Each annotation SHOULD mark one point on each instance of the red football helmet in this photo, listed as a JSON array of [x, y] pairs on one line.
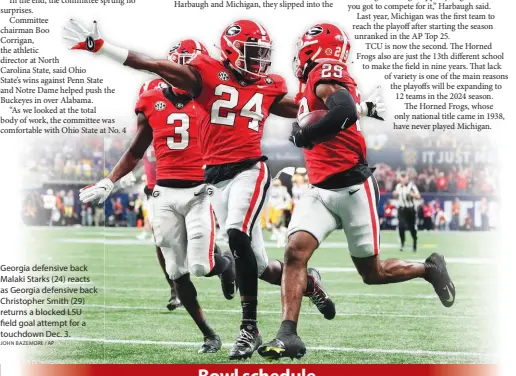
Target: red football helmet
[[185, 50], [246, 47], [321, 41]]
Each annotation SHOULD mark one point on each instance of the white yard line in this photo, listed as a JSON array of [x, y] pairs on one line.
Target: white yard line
[[316, 348], [328, 245], [278, 313]]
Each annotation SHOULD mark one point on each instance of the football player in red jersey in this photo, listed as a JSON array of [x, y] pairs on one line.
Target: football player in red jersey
[[238, 94], [149, 165], [183, 222], [344, 192]]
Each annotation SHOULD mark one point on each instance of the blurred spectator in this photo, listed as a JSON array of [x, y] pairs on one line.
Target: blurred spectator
[[131, 212], [118, 211], [454, 224], [428, 214], [389, 211], [441, 219], [484, 214], [68, 206]]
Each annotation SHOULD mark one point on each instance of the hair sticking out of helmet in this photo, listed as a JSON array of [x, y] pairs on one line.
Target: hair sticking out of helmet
[[186, 50], [246, 46], [320, 42]]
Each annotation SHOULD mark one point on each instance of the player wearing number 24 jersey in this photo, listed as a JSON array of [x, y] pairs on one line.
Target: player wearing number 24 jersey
[[238, 94], [344, 193]]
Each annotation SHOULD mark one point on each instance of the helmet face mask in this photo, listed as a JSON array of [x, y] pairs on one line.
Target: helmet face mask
[[186, 50], [257, 58], [183, 52], [247, 49]]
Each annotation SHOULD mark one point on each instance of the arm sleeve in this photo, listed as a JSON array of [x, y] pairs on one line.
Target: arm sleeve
[[341, 115]]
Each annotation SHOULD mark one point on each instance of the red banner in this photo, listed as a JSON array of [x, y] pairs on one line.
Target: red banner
[[261, 370]]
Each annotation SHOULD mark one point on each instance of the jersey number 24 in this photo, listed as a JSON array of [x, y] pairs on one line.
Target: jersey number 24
[[252, 109]]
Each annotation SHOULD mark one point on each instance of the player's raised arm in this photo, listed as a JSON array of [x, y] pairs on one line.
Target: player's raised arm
[[181, 76], [100, 192]]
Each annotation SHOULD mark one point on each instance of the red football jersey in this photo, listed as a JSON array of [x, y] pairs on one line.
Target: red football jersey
[[174, 120], [236, 111], [156, 83], [149, 165], [348, 147]]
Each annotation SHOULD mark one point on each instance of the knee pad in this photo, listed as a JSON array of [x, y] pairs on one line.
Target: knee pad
[[199, 270], [239, 243]]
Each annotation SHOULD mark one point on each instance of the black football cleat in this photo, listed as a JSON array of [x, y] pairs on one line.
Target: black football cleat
[[290, 346], [173, 302], [437, 275], [248, 341], [211, 345], [228, 278], [319, 297]]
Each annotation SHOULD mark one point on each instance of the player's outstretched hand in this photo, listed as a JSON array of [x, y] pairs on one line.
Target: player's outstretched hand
[[297, 137], [375, 104], [127, 181], [84, 39], [96, 192]]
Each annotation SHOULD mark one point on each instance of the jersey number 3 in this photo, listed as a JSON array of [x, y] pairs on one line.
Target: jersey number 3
[[181, 138], [252, 109]]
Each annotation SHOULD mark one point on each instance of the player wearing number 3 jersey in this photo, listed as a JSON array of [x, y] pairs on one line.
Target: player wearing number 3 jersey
[[182, 221]]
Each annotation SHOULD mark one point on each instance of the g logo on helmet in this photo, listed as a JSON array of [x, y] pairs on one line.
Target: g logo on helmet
[[233, 30], [314, 30], [173, 49]]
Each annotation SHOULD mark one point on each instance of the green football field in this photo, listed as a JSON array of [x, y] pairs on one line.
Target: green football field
[[127, 321]]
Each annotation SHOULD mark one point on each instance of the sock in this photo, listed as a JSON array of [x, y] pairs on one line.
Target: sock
[[249, 309], [287, 327], [402, 235], [245, 263], [221, 264]]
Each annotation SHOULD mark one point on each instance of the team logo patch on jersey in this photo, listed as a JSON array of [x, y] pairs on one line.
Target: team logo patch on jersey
[[328, 51], [233, 30], [315, 30], [224, 76], [209, 191], [180, 105], [269, 80], [155, 193], [160, 106], [243, 83]]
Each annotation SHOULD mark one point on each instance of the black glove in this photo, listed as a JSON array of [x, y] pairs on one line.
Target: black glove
[[372, 111], [297, 137]]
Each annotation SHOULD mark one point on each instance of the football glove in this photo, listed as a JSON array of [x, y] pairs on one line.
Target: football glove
[[373, 106], [97, 192], [127, 181], [297, 137], [91, 41]]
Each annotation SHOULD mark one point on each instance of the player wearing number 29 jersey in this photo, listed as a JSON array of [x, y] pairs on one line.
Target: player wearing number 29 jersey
[[345, 193], [347, 149]]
